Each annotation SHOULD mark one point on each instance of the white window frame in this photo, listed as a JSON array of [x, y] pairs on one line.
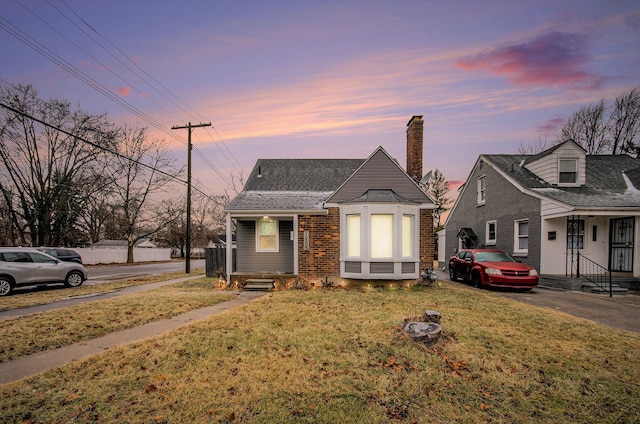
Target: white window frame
[[481, 190], [259, 235], [367, 254], [576, 161], [488, 240], [517, 250], [408, 235], [354, 235]]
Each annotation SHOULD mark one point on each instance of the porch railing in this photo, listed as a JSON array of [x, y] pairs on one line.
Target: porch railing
[[593, 272]]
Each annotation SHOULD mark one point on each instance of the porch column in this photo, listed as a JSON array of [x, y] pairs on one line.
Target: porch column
[[295, 244], [229, 258]]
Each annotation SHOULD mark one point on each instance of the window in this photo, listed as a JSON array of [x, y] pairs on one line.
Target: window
[[353, 235], [568, 171], [521, 231], [267, 235], [382, 236], [491, 232], [481, 190], [575, 234], [407, 236], [379, 241]]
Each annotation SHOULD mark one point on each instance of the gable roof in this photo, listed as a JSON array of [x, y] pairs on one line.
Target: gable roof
[[606, 185], [304, 185], [292, 184], [380, 172]]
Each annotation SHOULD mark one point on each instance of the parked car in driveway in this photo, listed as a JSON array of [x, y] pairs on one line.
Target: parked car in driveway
[[62, 253], [491, 268], [28, 267]]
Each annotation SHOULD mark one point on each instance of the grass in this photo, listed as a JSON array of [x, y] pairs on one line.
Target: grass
[[340, 356], [59, 292], [64, 326]]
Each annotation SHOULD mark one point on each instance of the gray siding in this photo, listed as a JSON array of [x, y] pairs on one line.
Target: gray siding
[[248, 260], [504, 204], [379, 172]]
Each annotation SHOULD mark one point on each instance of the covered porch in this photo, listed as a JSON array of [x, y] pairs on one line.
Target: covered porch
[[574, 244]]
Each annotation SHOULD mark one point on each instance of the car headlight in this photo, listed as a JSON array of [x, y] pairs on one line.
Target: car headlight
[[492, 271], [533, 273]]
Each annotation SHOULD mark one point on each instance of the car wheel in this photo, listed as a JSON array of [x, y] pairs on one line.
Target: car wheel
[[453, 276], [74, 279], [475, 280], [6, 286]]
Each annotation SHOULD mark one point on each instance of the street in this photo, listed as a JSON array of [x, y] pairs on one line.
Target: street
[[101, 273]]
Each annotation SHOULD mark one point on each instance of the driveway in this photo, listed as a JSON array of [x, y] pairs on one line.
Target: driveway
[[620, 311]]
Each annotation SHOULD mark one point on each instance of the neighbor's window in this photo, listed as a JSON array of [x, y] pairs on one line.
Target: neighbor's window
[[481, 190], [575, 234], [491, 232], [407, 236], [267, 235], [382, 236], [568, 173], [353, 235], [521, 231]]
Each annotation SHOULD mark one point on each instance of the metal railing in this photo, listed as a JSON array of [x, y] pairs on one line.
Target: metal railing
[[593, 272]]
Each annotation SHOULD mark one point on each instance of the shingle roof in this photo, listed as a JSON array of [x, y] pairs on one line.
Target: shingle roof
[[606, 185], [292, 184]]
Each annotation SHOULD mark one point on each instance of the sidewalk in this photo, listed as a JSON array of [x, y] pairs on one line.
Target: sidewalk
[[29, 365]]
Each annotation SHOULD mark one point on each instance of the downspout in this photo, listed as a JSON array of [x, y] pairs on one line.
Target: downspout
[[229, 256]]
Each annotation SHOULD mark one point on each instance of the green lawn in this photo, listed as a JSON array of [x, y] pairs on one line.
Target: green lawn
[[337, 356]]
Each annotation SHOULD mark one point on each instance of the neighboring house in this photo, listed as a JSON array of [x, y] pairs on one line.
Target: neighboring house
[[546, 208], [321, 219]]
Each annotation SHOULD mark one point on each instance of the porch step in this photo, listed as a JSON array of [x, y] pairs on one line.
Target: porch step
[[259, 284], [615, 289]]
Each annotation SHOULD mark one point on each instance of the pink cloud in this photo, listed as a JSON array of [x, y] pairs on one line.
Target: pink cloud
[[552, 126], [556, 58], [124, 91]]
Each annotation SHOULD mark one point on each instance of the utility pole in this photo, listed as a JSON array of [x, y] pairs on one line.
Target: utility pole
[[189, 127]]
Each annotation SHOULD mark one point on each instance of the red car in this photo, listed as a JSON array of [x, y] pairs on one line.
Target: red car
[[491, 268]]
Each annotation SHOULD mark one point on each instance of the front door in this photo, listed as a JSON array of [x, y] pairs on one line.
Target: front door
[[621, 244]]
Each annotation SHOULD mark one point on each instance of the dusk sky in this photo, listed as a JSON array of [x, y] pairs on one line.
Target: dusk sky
[[327, 79]]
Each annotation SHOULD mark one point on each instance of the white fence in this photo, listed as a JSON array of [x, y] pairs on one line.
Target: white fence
[[119, 256]]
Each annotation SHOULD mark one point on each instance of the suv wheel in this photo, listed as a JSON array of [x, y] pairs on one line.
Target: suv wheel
[[74, 279], [6, 286]]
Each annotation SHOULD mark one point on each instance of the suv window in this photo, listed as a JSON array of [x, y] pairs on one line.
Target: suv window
[[36, 257], [16, 257]]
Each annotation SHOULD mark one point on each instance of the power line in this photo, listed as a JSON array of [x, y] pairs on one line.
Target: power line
[[97, 146], [129, 59], [52, 56]]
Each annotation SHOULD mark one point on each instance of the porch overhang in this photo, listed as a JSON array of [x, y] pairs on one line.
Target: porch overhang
[[274, 213], [593, 212]]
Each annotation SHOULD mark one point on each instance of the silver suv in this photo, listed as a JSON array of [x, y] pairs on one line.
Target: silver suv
[[30, 267]]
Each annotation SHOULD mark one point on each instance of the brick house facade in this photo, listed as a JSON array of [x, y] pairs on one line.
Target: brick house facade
[[335, 218]]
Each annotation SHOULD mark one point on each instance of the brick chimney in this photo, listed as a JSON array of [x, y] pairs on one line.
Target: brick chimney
[[415, 129]]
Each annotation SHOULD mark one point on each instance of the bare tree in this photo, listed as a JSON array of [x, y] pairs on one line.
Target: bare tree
[[587, 128], [438, 187], [47, 169], [603, 129], [624, 123], [142, 172]]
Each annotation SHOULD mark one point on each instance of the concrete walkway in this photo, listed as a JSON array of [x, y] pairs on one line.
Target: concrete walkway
[[29, 365]]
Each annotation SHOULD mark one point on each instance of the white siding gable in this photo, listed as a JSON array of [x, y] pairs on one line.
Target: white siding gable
[[547, 166]]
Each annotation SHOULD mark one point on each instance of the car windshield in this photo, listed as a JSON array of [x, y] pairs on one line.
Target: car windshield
[[493, 257]]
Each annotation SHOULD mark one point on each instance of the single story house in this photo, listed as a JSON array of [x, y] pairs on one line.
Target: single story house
[[334, 219], [547, 208]]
